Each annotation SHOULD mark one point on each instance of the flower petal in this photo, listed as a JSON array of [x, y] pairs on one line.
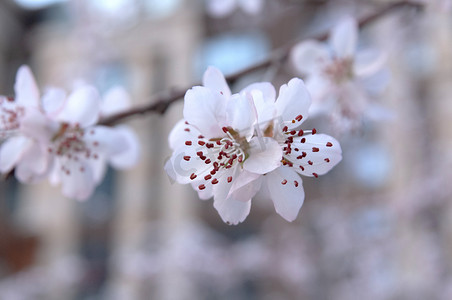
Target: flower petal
[[293, 101], [264, 96], [128, 157], [11, 152], [25, 88], [34, 164], [53, 101], [104, 140], [310, 57], [231, 210], [252, 7], [181, 133], [116, 100], [78, 183], [220, 8], [264, 155], [241, 115], [321, 153], [214, 80], [184, 162], [344, 37], [368, 62], [205, 111], [243, 179], [286, 191], [81, 107], [36, 125]]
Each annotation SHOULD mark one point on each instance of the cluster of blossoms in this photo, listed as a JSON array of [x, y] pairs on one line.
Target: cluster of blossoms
[[341, 78], [55, 135], [230, 146]]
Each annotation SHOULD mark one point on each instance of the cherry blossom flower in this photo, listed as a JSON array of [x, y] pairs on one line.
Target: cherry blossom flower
[[230, 146], [25, 128], [80, 148], [222, 8], [340, 78], [56, 136], [215, 148]]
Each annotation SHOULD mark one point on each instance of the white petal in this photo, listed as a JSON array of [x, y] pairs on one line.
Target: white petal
[[310, 57], [243, 179], [128, 157], [181, 169], [321, 91], [231, 210], [53, 101], [205, 111], [368, 63], [81, 107], [264, 96], [252, 7], [241, 115], [220, 8], [37, 126], [79, 183], [323, 151], [214, 80], [104, 140], [288, 197], [265, 155], [25, 88], [344, 37], [11, 151], [294, 100], [181, 133], [115, 101], [204, 194], [99, 168], [34, 164]]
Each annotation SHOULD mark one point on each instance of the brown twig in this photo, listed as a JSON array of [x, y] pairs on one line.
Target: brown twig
[[161, 103]]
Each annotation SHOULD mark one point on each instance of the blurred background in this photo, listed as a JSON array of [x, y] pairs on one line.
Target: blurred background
[[378, 226]]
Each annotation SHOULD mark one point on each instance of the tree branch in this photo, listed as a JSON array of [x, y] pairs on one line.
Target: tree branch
[[161, 102]]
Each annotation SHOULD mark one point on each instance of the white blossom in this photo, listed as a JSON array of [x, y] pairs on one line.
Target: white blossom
[[230, 145], [341, 78]]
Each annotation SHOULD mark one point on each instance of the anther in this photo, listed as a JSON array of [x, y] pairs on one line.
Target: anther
[[315, 175], [187, 158], [329, 144], [208, 161], [299, 117], [303, 140], [193, 176], [201, 143], [207, 177], [315, 149], [295, 183], [214, 181], [310, 162], [284, 182], [225, 129], [300, 133], [314, 131], [285, 128], [188, 143], [229, 179], [201, 187], [327, 160]]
